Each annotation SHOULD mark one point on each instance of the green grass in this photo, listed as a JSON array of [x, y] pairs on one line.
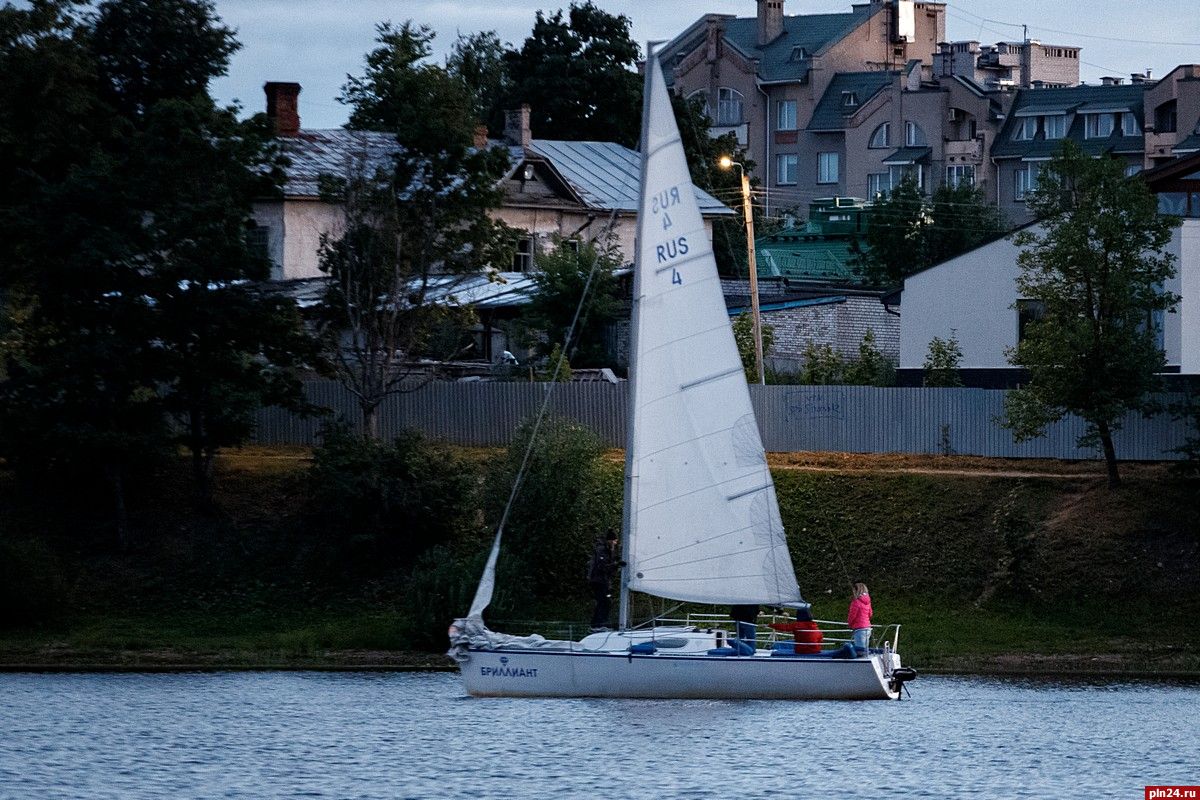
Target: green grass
[[985, 571]]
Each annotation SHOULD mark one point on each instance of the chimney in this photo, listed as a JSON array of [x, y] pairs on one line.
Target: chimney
[[770, 21], [516, 126], [1109, 80], [283, 107], [481, 139]]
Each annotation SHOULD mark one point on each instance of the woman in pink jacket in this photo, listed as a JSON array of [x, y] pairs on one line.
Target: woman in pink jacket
[[859, 618]]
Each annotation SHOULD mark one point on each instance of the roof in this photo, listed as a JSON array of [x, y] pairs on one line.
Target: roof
[[804, 256], [908, 155], [1079, 101], [831, 112], [332, 152], [481, 290], [604, 175], [781, 60]]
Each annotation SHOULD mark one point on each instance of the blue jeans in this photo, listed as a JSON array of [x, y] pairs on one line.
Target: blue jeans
[[862, 639]]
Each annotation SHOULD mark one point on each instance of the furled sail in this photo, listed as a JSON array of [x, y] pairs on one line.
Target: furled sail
[[702, 519]]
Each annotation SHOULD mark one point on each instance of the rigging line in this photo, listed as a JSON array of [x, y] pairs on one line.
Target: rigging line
[[533, 435]]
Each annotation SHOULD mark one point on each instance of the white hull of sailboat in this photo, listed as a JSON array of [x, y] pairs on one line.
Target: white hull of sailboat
[[523, 673]]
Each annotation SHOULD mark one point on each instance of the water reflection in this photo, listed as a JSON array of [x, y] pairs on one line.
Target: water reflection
[[364, 735]]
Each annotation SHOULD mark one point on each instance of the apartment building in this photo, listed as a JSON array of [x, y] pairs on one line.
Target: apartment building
[[845, 104]]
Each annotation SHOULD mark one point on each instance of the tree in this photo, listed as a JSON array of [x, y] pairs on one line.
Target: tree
[[907, 231], [579, 77], [872, 367], [1098, 266], [477, 60], [743, 336], [563, 275], [942, 363], [402, 92], [412, 228], [126, 286]]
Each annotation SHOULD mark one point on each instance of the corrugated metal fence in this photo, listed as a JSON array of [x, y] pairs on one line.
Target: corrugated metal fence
[[854, 419]]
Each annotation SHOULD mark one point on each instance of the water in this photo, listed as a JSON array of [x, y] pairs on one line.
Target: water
[[417, 735]]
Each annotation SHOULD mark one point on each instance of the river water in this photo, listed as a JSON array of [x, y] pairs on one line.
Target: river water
[[417, 735]]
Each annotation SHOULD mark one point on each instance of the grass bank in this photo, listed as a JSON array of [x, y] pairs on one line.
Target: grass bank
[[991, 565]]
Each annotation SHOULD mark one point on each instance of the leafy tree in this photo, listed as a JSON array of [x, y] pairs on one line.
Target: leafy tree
[[579, 77], [962, 219], [895, 242], [942, 363], [562, 277], [743, 335], [477, 60], [129, 260], [1098, 267], [389, 502], [412, 229], [402, 92], [823, 366], [907, 231], [564, 502], [872, 367]]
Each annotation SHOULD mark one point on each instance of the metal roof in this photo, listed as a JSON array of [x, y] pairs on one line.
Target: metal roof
[[604, 175]]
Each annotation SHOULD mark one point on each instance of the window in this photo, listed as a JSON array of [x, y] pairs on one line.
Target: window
[[1129, 125], [878, 183], [701, 96], [1025, 130], [960, 175], [729, 106], [785, 119], [1132, 169], [882, 137], [1055, 126], [1028, 311], [1097, 126], [1166, 117], [1025, 180], [786, 168], [523, 257], [849, 99], [913, 135], [827, 167], [898, 173], [258, 239]]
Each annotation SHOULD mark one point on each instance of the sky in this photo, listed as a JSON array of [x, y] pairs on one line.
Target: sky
[[318, 43]]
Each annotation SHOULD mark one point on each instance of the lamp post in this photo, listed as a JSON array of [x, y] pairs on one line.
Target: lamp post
[[726, 162]]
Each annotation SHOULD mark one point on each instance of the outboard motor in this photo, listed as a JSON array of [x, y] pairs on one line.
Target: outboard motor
[[900, 676]]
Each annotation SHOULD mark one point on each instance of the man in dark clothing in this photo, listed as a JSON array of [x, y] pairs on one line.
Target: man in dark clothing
[[599, 575]]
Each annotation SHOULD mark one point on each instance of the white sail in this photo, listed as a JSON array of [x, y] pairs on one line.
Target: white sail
[[702, 519]]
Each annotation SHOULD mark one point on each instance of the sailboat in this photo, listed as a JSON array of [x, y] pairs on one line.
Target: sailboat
[[701, 522]]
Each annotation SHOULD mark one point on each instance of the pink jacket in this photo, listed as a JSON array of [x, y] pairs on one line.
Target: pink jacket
[[860, 612]]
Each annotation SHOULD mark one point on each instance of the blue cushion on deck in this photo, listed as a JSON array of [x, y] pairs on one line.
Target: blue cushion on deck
[[643, 647], [722, 651]]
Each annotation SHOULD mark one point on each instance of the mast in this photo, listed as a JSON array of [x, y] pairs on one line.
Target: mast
[[652, 65]]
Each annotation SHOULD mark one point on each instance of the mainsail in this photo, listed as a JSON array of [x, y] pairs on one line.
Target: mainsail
[[702, 522]]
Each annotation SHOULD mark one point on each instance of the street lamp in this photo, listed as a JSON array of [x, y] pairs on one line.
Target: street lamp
[[726, 162]]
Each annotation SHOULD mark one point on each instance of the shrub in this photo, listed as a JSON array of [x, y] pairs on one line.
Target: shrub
[[564, 502], [388, 502]]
